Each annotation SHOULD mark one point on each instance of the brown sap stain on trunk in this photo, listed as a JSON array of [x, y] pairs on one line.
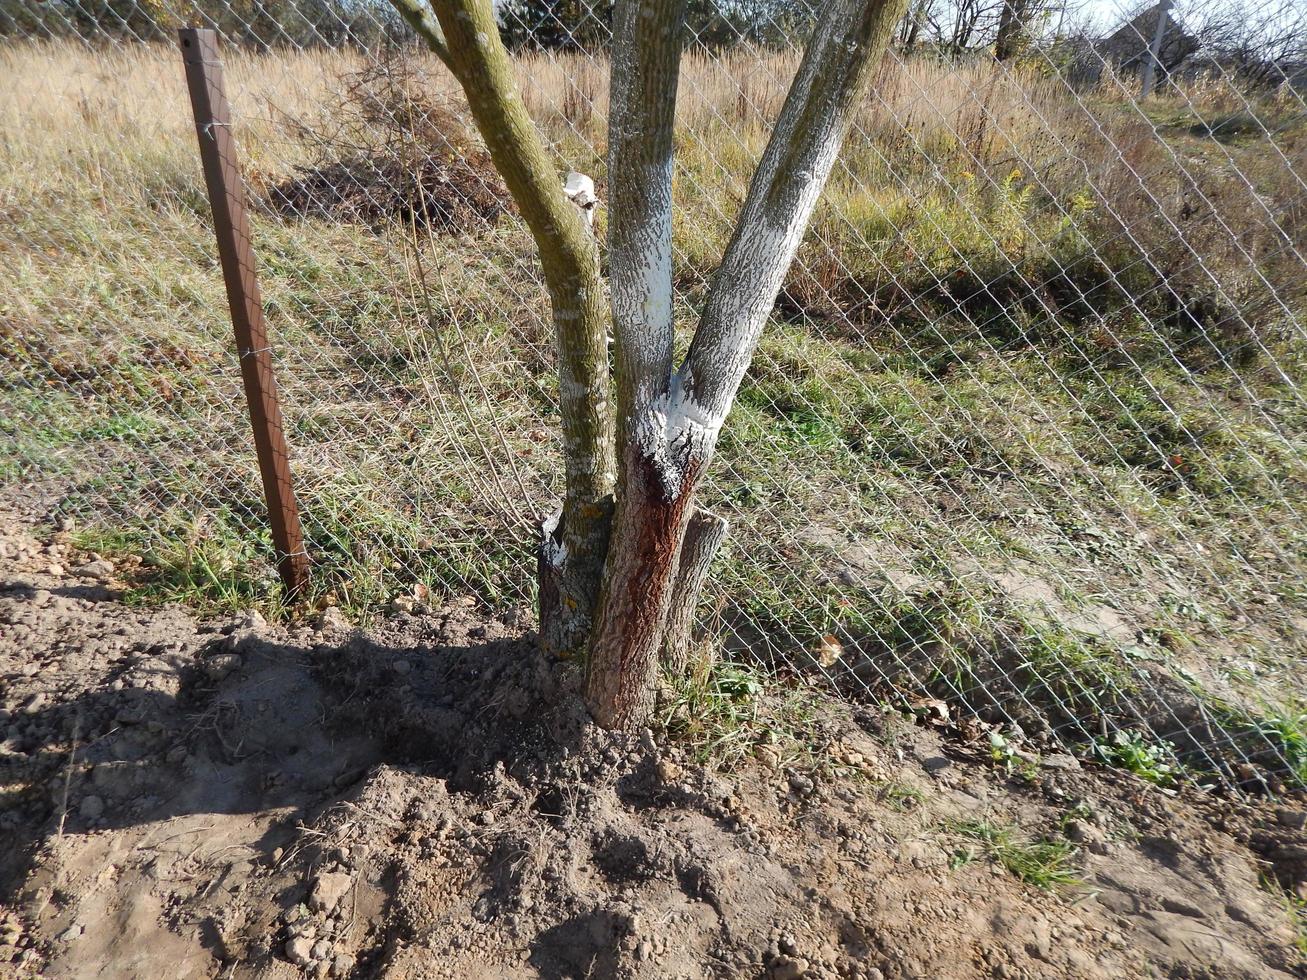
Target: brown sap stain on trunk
[[629, 634]]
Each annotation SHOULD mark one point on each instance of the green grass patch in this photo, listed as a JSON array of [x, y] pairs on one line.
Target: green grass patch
[[725, 712], [1043, 863]]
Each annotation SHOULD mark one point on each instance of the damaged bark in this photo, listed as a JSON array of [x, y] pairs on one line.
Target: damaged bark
[[639, 581]]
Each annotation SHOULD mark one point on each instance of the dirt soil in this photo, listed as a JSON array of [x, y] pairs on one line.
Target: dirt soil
[[427, 798]]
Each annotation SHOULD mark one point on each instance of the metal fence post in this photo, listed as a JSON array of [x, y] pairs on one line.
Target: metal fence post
[[231, 225]]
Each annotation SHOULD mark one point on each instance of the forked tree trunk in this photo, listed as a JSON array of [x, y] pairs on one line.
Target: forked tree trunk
[[667, 420], [669, 424]]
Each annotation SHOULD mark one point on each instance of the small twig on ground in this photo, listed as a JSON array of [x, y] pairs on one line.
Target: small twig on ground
[[68, 772]]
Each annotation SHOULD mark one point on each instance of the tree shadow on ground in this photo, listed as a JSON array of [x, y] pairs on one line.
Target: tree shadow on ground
[[271, 724]]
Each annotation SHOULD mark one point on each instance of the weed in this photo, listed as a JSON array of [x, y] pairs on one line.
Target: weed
[[899, 796], [1079, 811], [1133, 752], [1012, 759], [722, 715], [1276, 736], [1043, 863], [1295, 908], [1288, 732], [207, 568]]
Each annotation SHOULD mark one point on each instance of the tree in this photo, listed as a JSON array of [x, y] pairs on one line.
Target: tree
[[555, 24], [910, 28], [1262, 46], [622, 565], [724, 23], [587, 24], [1012, 28]]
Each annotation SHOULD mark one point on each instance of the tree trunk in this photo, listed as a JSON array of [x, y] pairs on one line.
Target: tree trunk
[[465, 35], [670, 439], [569, 590], [1011, 28], [668, 421], [656, 479], [639, 582], [912, 26], [703, 537]]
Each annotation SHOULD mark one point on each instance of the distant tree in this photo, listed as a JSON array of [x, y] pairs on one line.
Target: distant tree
[[19, 18], [722, 23], [127, 19], [563, 24], [910, 28], [1261, 45], [555, 24], [1013, 28]]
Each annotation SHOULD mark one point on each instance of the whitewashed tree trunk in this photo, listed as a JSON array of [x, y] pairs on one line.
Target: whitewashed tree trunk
[[667, 419], [671, 433]]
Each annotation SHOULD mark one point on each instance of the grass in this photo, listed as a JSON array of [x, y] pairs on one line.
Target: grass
[[899, 797], [1295, 909], [976, 429], [1042, 863], [722, 715]]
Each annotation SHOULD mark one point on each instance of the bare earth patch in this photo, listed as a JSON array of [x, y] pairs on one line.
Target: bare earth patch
[[427, 798]]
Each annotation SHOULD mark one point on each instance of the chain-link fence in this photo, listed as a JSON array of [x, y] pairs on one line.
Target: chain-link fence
[[1023, 446]]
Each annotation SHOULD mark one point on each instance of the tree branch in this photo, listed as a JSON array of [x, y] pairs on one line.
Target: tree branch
[[646, 60], [846, 46], [424, 25], [466, 36]]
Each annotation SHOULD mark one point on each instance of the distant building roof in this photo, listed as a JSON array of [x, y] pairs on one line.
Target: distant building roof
[[1128, 45]]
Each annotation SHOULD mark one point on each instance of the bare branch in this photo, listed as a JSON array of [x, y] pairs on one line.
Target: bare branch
[[647, 38], [424, 25]]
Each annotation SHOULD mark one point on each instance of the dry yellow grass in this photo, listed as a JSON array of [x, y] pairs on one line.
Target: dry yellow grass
[[77, 113]]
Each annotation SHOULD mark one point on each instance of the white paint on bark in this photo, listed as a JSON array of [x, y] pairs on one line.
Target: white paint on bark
[[646, 53], [674, 431], [794, 168]]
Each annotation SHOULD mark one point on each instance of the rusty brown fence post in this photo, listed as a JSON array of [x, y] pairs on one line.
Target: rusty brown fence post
[[235, 251]]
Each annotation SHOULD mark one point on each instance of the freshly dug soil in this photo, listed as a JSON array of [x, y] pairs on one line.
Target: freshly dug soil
[[426, 797]]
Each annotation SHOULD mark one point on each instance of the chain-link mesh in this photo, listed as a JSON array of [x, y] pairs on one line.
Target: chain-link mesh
[[1023, 445]]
